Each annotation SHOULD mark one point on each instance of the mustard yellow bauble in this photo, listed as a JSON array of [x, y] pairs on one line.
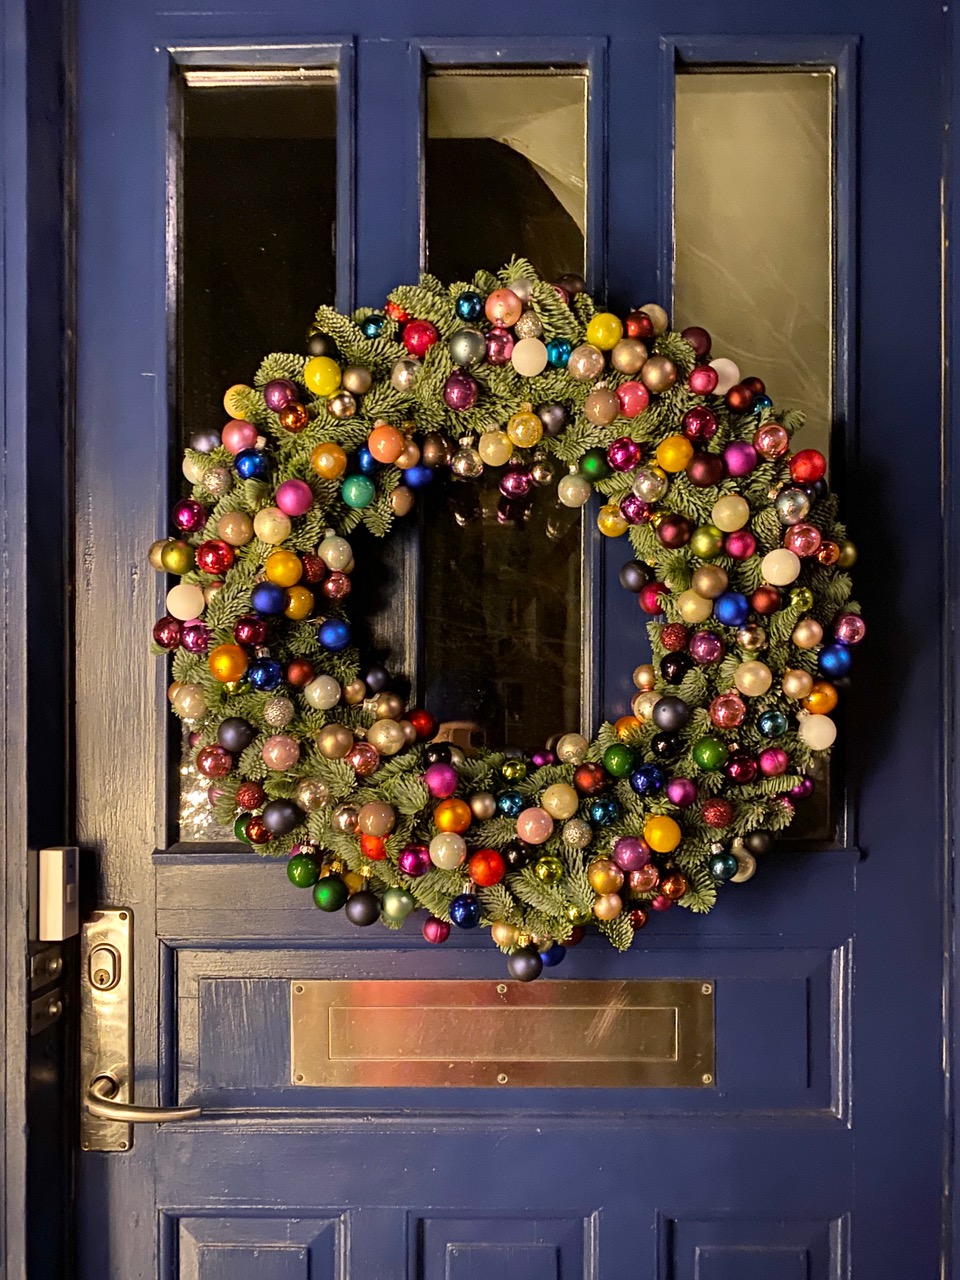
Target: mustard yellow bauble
[[524, 429], [234, 397], [610, 522], [227, 662], [604, 875], [285, 568], [452, 815], [503, 934], [322, 375], [604, 330], [674, 453], [300, 603], [328, 460], [560, 800], [661, 833]]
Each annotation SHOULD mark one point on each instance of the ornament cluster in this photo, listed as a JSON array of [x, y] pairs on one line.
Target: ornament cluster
[[737, 558]]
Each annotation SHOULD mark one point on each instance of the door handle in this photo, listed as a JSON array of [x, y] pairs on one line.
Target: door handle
[[101, 1102]]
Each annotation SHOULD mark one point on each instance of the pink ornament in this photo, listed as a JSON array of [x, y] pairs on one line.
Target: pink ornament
[[363, 759], [661, 903], [337, 586], [802, 539], [435, 931], [773, 762], [534, 826], [634, 510], [460, 390], [414, 860], [503, 307], [705, 647], [193, 738], [277, 395], [634, 398], [499, 346], [740, 458], [214, 762], [541, 759], [649, 598], [623, 454], [294, 497], [802, 790], [630, 853], [280, 752], [238, 435], [418, 337], [771, 441], [699, 423], [849, 628], [195, 637], [741, 545], [167, 632], [681, 792], [440, 780], [643, 879], [727, 710], [189, 515], [703, 380]]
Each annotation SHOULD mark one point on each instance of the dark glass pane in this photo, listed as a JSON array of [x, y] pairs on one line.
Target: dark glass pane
[[257, 224]]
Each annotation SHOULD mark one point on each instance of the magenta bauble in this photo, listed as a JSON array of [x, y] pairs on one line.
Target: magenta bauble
[[802, 539], [251, 629], [849, 628], [166, 632], [705, 647], [740, 768], [703, 380], [294, 497], [623, 454], [803, 789], [741, 544], [630, 853], [460, 390], [435, 931], [662, 903], [516, 482], [499, 346], [634, 510], [740, 458], [681, 792], [189, 516], [278, 394], [773, 762], [440, 780], [195, 637], [414, 860]]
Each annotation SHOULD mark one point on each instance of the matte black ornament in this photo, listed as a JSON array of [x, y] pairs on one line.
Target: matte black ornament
[[759, 841], [553, 416], [634, 576], [674, 666], [236, 734], [671, 713], [525, 964], [666, 746], [363, 908], [437, 753], [515, 854], [321, 344], [281, 816], [572, 283]]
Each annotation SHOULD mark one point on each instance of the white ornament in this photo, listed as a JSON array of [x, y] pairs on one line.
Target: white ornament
[[727, 373], [529, 357], [185, 601], [448, 851], [336, 553], [818, 732], [780, 567]]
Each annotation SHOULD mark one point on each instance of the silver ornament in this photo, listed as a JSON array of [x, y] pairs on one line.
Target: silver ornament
[[577, 833], [650, 484], [468, 347], [483, 805], [523, 288], [542, 471], [342, 405], [792, 505], [404, 374], [311, 794], [467, 463], [278, 712], [528, 326], [217, 481], [344, 818]]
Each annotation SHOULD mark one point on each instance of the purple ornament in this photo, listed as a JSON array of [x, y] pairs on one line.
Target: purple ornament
[[740, 457], [802, 790], [541, 759], [440, 780], [279, 393], [460, 390], [414, 860], [634, 510], [623, 454], [167, 632], [773, 761], [189, 515], [705, 647], [195, 637], [516, 482], [630, 853], [435, 931], [499, 345], [681, 792], [849, 628]]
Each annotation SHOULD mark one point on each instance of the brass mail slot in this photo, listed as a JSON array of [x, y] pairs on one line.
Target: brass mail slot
[[644, 1034]]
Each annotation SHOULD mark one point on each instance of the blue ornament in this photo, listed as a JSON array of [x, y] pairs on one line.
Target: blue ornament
[[265, 674], [334, 634], [732, 609], [372, 325], [761, 402], [510, 803], [772, 724], [358, 491], [558, 353], [554, 956], [252, 464], [835, 660], [416, 477], [647, 779], [465, 911], [267, 597], [603, 811], [366, 462], [723, 866], [469, 306]]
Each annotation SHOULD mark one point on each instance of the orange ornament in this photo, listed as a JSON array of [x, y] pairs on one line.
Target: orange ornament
[[386, 443], [821, 699], [227, 662], [626, 727], [486, 867], [452, 815], [373, 847], [328, 460]]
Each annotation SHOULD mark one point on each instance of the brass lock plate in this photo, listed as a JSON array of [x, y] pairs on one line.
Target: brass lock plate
[[106, 1020]]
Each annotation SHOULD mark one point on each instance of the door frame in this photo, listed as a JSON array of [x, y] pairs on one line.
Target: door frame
[[37, 220]]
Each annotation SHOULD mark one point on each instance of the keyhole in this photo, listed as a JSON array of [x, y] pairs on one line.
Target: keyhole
[[101, 977]]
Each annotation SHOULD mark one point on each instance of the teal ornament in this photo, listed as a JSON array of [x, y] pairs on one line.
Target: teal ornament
[[772, 724], [558, 353], [371, 326], [397, 905], [469, 306], [358, 491], [723, 866]]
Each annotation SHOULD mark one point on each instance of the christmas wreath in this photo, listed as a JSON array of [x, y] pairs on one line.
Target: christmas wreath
[[737, 559]]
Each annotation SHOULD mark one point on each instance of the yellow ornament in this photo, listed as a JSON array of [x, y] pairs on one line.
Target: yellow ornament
[[271, 525], [661, 833], [322, 375], [610, 522], [607, 906], [495, 448], [227, 662], [300, 603], [674, 453], [524, 429], [731, 512], [604, 330], [285, 568], [753, 678], [693, 607], [604, 875], [233, 399], [560, 800]]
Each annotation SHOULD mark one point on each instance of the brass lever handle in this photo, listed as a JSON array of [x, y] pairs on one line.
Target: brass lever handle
[[100, 1101]]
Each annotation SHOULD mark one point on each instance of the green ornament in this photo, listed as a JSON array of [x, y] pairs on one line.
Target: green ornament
[[706, 541], [514, 770], [358, 491], [801, 598], [618, 760], [302, 870], [240, 827], [397, 904], [710, 753], [177, 557], [594, 465], [548, 870], [330, 893]]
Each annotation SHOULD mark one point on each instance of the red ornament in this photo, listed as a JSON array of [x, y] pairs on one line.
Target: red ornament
[[486, 867], [739, 399], [167, 632], [829, 553], [638, 918], [373, 847], [300, 671], [699, 423], [717, 812], [702, 380], [741, 767], [250, 795], [638, 325], [755, 385], [674, 636], [699, 339], [806, 467], [214, 556], [649, 598], [419, 336], [294, 417], [662, 903], [396, 312], [577, 935], [257, 832], [765, 600], [424, 723], [250, 629], [589, 779], [214, 762], [336, 587]]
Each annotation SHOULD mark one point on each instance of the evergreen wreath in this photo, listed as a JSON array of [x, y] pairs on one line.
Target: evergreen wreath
[[738, 559]]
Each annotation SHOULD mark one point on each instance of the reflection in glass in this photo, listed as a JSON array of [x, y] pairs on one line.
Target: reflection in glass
[[501, 612], [753, 227], [257, 200], [506, 165]]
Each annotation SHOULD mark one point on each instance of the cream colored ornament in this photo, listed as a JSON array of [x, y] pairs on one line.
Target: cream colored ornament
[[817, 732], [322, 693], [780, 567], [731, 512], [807, 634], [185, 601], [387, 736], [336, 553], [560, 800], [753, 679], [693, 607], [572, 748]]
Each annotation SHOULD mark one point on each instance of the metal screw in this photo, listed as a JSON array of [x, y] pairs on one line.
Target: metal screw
[[298, 988], [707, 988], [299, 1077], [501, 988], [123, 915], [502, 1078], [707, 1078], [124, 1145]]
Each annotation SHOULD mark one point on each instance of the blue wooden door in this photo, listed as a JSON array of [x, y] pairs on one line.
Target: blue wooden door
[[816, 1150]]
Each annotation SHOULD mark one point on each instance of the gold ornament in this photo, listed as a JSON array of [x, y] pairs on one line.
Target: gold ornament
[[604, 875], [311, 794], [693, 607], [751, 637], [334, 741], [807, 634], [607, 906], [156, 549], [356, 379], [628, 356], [387, 736], [709, 581], [354, 693], [560, 800], [503, 934], [610, 522], [401, 500], [344, 818], [753, 679], [388, 706], [495, 448], [524, 430], [644, 676], [644, 703], [483, 805], [796, 684]]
